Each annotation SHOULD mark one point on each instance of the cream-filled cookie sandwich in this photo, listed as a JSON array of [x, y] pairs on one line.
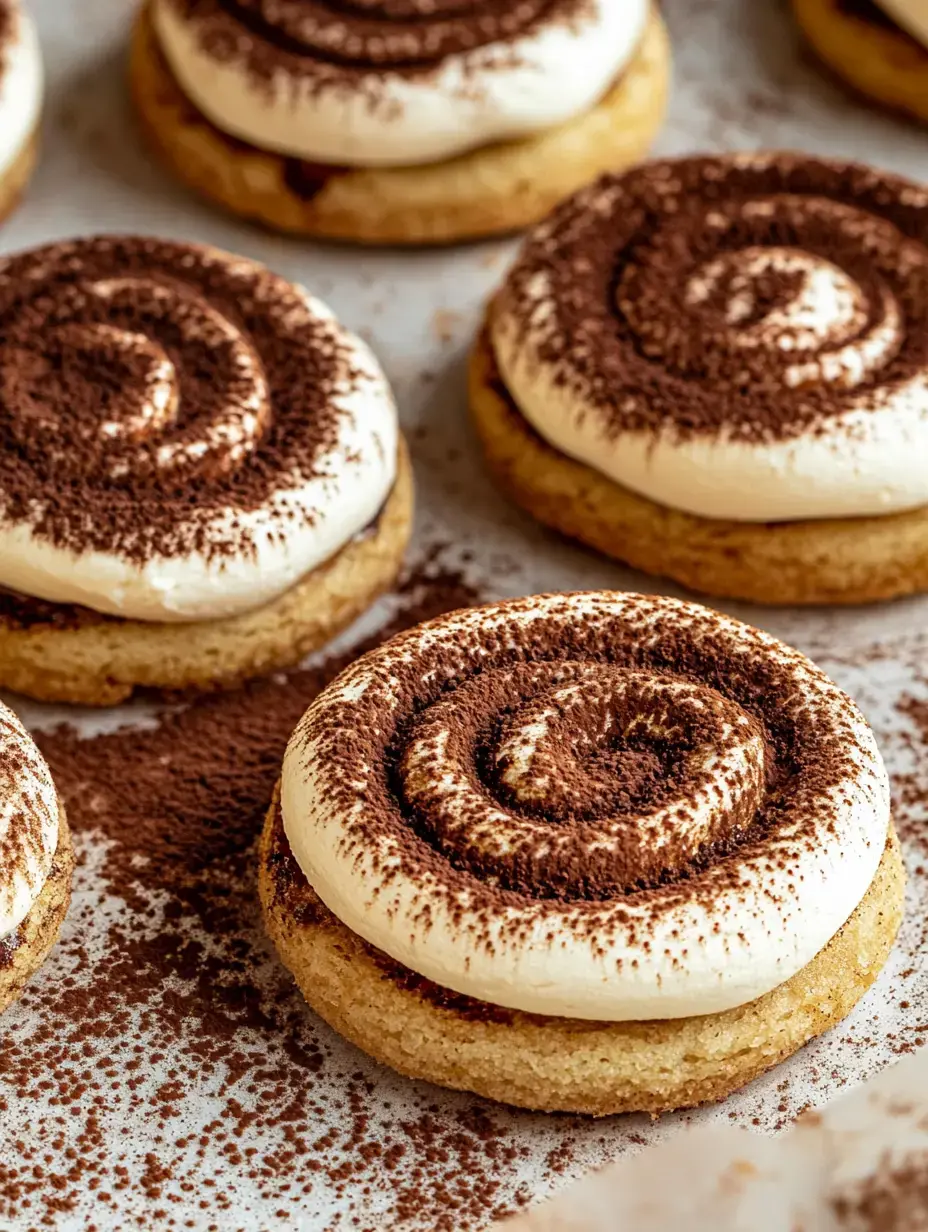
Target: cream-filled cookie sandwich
[[592, 852], [879, 49], [401, 122], [36, 859], [716, 370], [21, 91], [201, 472]]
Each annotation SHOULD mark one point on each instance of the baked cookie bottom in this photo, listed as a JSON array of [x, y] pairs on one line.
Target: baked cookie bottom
[[834, 561], [559, 1064], [496, 188], [876, 58], [96, 660], [26, 949], [14, 181]]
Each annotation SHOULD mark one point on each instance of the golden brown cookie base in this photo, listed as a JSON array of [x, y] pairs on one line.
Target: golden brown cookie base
[[834, 561], [101, 662], [556, 1064], [14, 181], [24, 952], [497, 188], [880, 61]]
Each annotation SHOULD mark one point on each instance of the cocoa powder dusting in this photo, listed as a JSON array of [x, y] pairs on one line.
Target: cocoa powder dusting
[[176, 999], [626, 698], [156, 394], [893, 1199], [666, 292], [171, 1074], [331, 44]]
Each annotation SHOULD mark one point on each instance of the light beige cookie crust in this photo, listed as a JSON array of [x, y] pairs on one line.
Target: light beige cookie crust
[[564, 1065], [31, 943], [497, 188], [15, 179], [881, 62], [835, 561], [102, 662]]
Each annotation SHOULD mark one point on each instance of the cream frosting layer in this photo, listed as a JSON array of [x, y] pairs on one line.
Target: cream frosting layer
[[386, 117], [372, 832], [824, 330], [28, 822], [312, 511], [21, 86]]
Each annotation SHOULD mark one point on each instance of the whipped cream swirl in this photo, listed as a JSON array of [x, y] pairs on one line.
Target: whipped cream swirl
[[183, 435], [28, 822], [602, 806], [394, 82], [21, 81], [742, 338]]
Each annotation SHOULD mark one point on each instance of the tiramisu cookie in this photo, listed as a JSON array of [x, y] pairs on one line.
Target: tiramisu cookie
[[591, 852], [716, 370], [881, 50], [20, 102], [36, 859], [400, 121], [201, 474]]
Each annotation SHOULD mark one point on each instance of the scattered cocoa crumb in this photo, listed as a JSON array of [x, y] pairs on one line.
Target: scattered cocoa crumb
[[894, 1199], [168, 1064], [446, 324]]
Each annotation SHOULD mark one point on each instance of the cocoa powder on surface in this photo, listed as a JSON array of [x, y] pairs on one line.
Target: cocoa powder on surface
[[162, 1070], [173, 999]]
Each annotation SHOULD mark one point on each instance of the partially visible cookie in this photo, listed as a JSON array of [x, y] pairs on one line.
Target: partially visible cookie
[[21, 91], [495, 185], [201, 471], [861, 43], [716, 369], [36, 859]]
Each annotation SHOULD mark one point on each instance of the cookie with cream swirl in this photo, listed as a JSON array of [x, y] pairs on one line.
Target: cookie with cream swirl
[[593, 806], [183, 434], [738, 337]]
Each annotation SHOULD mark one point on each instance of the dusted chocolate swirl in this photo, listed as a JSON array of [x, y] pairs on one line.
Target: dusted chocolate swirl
[[383, 34], [741, 337], [596, 805], [28, 822], [393, 82], [182, 433], [609, 777], [203, 413]]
